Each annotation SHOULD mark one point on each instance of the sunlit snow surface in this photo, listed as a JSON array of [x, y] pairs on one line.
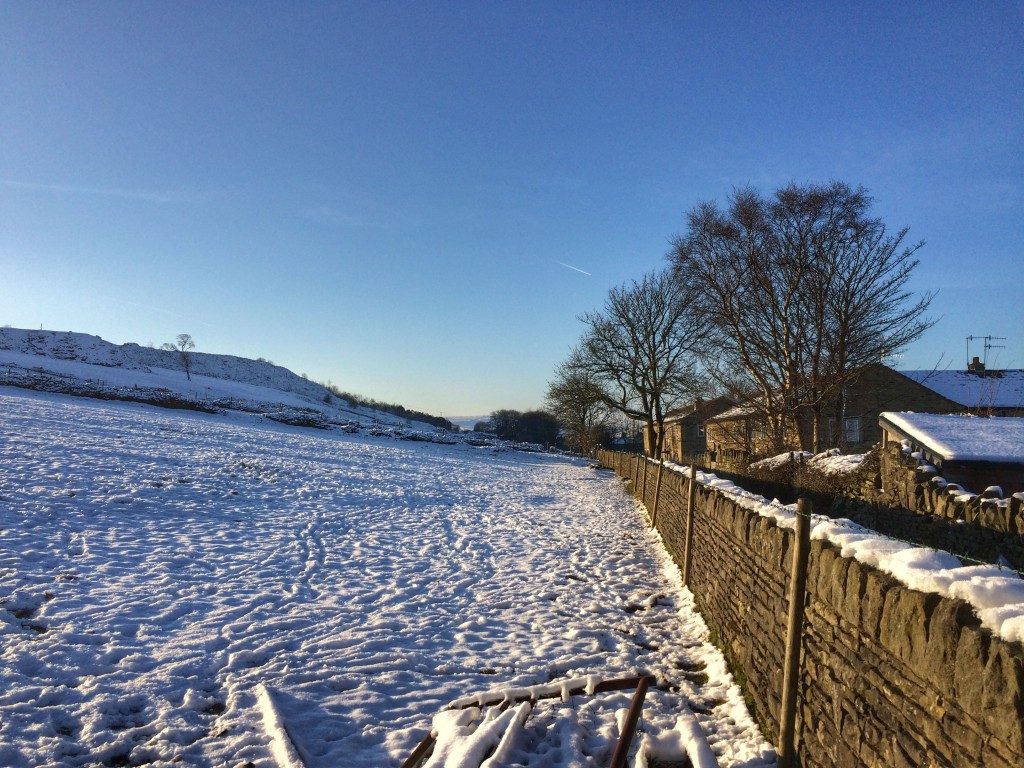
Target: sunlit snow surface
[[157, 567]]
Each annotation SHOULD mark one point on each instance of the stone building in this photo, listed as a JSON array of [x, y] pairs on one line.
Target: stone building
[[973, 452], [685, 428], [878, 388]]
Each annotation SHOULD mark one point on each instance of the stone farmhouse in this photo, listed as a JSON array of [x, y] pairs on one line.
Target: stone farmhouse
[[741, 432], [685, 428]]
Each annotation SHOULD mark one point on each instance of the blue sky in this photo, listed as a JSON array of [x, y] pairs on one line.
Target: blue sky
[[386, 195]]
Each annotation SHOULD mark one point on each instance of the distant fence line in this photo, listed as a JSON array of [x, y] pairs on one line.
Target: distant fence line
[[888, 676]]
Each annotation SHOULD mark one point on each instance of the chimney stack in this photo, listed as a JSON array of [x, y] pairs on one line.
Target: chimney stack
[[976, 365]]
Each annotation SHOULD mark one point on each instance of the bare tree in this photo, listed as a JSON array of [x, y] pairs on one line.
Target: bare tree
[[183, 345], [578, 401], [725, 260], [506, 422], [802, 289], [641, 349]]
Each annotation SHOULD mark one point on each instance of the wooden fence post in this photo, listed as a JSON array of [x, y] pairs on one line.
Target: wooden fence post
[[636, 475], [657, 495], [643, 488], [691, 497], [794, 634]]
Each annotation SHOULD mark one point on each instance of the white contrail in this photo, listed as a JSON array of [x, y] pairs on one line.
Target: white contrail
[[71, 189], [575, 269]]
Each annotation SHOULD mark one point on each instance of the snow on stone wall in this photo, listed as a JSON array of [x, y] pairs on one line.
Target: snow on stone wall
[[890, 675], [917, 486]]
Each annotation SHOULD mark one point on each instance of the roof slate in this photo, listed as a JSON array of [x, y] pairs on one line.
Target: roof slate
[[990, 389]]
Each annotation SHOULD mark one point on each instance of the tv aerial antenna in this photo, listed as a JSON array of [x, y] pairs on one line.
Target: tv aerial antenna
[[986, 346]]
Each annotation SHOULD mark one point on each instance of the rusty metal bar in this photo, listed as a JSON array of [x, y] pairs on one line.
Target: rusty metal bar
[[423, 748], [605, 686], [420, 752], [629, 727]]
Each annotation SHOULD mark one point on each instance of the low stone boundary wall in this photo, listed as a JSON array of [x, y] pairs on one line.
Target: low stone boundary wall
[[909, 484], [889, 676], [916, 503]]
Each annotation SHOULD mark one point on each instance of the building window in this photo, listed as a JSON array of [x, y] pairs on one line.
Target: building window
[[851, 430]]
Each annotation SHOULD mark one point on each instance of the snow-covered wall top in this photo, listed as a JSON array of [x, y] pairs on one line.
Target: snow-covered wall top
[[963, 438], [988, 389]]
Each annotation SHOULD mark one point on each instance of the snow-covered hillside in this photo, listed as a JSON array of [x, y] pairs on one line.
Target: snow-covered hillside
[[77, 363], [159, 569]]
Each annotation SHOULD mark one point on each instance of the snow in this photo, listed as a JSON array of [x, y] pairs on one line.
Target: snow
[[993, 389], [781, 460], [829, 462], [281, 745], [129, 371], [736, 412], [963, 438], [686, 740], [460, 745], [182, 588], [996, 593], [833, 462]]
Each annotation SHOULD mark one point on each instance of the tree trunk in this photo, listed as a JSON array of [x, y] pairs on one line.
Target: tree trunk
[[652, 436]]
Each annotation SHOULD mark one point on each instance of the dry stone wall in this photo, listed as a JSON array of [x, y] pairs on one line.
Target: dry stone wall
[[916, 504], [889, 676], [910, 484]]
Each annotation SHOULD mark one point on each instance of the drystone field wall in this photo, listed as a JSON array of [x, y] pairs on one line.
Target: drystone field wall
[[917, 487], [916, 503], [889, 676]]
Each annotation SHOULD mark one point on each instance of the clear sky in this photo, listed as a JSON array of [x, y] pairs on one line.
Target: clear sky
[[417, 200]]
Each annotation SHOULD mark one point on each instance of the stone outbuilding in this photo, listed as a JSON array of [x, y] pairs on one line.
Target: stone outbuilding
[[974, 452]]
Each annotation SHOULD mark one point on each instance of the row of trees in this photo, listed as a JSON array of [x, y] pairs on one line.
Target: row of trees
[[537, 426], [777, 300]]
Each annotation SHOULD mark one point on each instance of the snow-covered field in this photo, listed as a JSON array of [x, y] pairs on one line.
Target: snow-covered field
[[80, 364], [158, 569]]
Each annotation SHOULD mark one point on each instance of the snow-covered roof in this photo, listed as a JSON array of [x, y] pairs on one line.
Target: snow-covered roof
[[736, 412], [963, 438], [971, 389]]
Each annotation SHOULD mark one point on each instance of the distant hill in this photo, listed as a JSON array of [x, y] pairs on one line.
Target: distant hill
[[81, 364], [468, 422]]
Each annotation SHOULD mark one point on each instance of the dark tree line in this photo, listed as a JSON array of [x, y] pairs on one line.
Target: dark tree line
[[535, 426]]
